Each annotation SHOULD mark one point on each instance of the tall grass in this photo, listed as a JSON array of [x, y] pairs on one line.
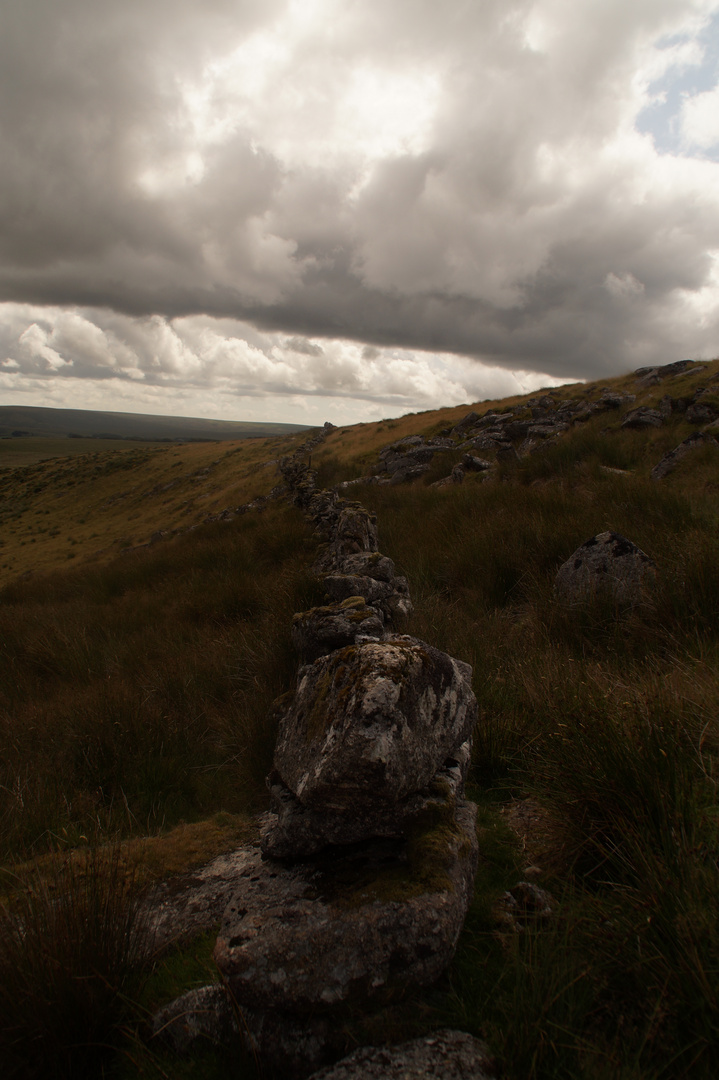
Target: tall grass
[[136, 695], [72, 948], [609, 719]]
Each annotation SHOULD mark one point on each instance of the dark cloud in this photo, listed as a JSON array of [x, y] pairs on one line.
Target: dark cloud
[[451, 178]]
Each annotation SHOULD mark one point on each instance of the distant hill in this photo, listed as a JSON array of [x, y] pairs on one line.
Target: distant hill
[[22, 421]]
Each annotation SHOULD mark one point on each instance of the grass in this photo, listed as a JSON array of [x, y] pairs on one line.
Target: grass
[[135, 695], [72, 948]]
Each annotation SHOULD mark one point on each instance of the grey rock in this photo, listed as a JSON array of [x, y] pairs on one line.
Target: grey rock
[[315, 934], [517, 429], [407, 473], [397, 607], [401, 446], [475, 464], [607, 565], [642, 418], [506, 455], [356, 532], [420, 455], [371, 565], [372, 723], [700, 412], [442, 1055], [457, 474], [321, 630], [342, 586], [672, 459], [524, 905], [467, 421], [649, 374], [441, 443], [487, 441], [293, 831], [547, 429], [204, 1016]]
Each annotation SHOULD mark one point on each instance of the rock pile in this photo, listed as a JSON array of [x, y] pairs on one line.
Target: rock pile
[[367, 862]]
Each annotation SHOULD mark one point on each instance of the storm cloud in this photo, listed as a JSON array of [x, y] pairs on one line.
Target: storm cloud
[[384, 206]]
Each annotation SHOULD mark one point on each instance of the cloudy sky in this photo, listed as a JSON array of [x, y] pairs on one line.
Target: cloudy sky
[[348, 209]]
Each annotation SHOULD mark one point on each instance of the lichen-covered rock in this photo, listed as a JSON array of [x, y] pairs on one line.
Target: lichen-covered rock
[[372, 723], [321, 630], [318, 933], [607, 565], [443, 1055], [294, 831]]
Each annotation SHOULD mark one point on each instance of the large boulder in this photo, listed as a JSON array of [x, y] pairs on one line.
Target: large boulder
[[372, 723], [307, 937], [606, 565]]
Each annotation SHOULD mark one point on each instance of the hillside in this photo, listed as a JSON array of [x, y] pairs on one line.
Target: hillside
[[145, 624], [22, 421]]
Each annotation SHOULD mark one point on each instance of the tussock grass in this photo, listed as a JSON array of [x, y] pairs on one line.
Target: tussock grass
[[73, 946]]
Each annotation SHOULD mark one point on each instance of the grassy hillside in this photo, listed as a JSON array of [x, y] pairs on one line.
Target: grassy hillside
[[135, 706], [22, 421]]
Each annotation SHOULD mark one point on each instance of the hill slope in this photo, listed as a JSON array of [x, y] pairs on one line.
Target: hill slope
[[87, 423], [136, 695]]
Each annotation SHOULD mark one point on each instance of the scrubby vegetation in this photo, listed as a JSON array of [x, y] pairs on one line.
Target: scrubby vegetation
[[135, 695]]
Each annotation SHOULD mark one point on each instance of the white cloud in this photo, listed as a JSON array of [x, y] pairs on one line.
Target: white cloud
[[700, 119], [190, 187]]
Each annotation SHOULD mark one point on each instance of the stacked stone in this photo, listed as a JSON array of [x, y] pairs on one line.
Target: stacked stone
[[368, 859]]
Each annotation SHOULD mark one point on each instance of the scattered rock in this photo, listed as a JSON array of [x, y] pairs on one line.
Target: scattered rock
[[443, 1055], [672, 459], [475, 464], [607, 565], [643, 417]]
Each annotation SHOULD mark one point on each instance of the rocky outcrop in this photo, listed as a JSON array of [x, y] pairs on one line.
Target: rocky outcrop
[[443, 1055], [608, 565]]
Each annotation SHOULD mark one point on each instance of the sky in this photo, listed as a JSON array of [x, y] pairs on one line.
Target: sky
[[310, 210]]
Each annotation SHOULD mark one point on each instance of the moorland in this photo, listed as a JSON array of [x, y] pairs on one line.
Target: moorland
[[146, 597]]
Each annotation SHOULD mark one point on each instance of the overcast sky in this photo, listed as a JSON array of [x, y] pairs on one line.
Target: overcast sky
[[348, 209]]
